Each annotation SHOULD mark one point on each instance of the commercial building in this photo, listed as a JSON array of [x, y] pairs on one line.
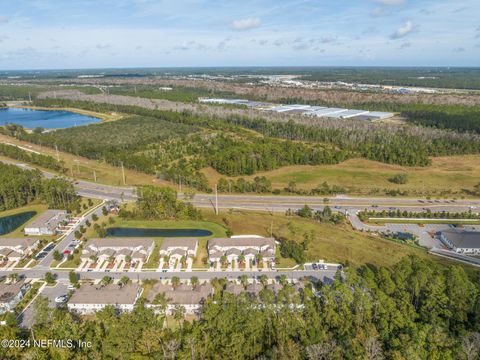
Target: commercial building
[[249, 247], [189, 297], [15, 249], [461, 241], [47, 223], [11, 294], [176, 248], [92, 298], [138, 249]]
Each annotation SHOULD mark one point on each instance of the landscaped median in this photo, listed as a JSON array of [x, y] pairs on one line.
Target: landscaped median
[[419, 217]]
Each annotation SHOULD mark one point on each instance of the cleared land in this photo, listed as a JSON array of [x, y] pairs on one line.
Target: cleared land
[[448, 175]]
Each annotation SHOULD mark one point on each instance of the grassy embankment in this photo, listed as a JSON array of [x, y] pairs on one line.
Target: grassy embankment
[[18, 233], [364, 177], [99, 115]]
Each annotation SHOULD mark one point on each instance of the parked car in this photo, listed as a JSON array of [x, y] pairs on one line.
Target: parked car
[[314, 266], [71, 287], [61, 299]]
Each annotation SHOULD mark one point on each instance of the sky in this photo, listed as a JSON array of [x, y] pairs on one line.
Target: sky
[[64, 34]]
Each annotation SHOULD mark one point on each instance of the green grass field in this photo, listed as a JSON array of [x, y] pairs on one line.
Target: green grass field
[[333, 243], [18, 233], [448, 175]]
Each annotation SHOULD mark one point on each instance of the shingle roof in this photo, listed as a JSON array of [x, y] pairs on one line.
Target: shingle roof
[[463, 239], [187, 242], [244, 242], [110, 294], [183, 294], [23, 242], [234, 288], [9, 291], [50, 219], [116, 242]]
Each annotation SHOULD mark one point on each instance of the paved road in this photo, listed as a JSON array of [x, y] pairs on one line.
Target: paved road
[[67, 239], [323, 275]]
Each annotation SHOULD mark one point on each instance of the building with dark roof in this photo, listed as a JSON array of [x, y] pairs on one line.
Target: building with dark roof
[[461, 241]]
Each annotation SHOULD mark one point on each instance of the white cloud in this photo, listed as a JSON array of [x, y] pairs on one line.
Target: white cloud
[[403, 31], [246, 24], [390, 2]]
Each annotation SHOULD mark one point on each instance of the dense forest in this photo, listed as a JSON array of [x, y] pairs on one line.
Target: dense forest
[[403, 145], [416, 310], [18, 187]]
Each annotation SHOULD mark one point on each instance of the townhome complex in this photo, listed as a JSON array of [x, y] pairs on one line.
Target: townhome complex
[[461, 241], [11, 294], [189, 297], [176, 248], [47, 223], [118, 249], [251, 248], [15, 249], [92, 298]]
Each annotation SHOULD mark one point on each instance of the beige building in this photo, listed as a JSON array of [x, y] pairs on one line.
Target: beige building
[[190, 298], [176, 248], [92, 298], [47, 223], [15, 249], [138, 249], [249, 247]]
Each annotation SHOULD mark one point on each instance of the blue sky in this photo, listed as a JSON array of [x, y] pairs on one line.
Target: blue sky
[[49, 34]]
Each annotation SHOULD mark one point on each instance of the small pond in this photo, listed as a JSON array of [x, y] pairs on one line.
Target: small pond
[[12, 222], [152, 232]]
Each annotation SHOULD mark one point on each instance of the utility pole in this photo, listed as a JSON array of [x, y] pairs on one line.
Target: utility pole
[[216, 200], [94, 176], [56, 150], [30, 96], [123, 174]]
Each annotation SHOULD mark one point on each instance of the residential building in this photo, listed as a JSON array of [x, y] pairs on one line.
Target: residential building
[[89, 298], [11, 294], [461, 241], [47, 223], [138, 249], [190, 298], [176, 248], [249, 247], [15, 249]]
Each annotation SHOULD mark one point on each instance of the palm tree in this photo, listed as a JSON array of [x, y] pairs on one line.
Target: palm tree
[[175, 281], [244, 280], [106, 280], [264, 280], [162, 302], [194, 280], [13, 277], [241, 258], [283, 280], [128, 259], [111, 259], [223, 259], [178, 313], [124, 280]]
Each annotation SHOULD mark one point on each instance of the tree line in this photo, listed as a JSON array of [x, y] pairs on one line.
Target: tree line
[[417, 309], [19, 187]]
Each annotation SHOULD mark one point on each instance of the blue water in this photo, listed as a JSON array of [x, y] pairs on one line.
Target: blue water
[[140, 232], [12, 222], [51, 119]]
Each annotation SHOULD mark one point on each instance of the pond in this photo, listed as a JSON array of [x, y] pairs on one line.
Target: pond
[[12, 222], [152, 232], [47, 119]]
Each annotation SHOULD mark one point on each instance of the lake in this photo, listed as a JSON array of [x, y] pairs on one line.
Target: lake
[[12, 222], [145, 232], [47, 119]]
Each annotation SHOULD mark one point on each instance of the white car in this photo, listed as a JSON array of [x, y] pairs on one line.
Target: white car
[[61, 299]]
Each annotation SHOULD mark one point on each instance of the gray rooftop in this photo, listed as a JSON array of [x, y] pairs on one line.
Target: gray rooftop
[[463, 239], [13, 242], [182, 242], [183, 294], [50, 219], [9, 291], [109, 295], [243, 242], [120, 242]]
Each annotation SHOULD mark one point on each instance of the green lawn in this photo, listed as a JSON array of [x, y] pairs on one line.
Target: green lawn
[[18, 233]]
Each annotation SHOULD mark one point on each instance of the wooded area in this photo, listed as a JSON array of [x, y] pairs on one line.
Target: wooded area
[[416, 310]]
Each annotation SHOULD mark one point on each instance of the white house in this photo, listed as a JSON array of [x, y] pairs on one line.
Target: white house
[[176, 248], [139, 249], [249, 247], [15, 249], [190, 298], [92, 298], [11, 294], [47, 223], [461, 241]]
